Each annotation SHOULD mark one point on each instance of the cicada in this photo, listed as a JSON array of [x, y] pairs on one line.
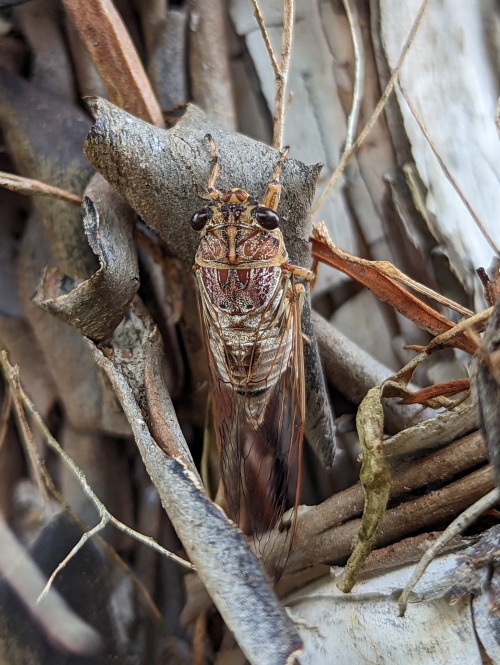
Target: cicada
[[251, 300]]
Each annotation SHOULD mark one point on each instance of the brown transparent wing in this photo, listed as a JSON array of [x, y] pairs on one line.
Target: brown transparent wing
[[260, 458]]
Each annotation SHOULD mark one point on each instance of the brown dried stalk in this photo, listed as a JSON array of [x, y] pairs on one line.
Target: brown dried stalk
[[447, 388], [333, 545], [333, 515]]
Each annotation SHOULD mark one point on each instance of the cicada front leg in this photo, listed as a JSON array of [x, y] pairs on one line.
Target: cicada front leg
[[273, 192]]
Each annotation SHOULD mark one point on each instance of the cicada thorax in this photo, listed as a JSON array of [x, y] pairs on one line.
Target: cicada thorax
[[251, 317]]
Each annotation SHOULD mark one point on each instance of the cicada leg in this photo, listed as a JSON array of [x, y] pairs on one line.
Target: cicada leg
[[273, 192], [214, 174], [306, 274]]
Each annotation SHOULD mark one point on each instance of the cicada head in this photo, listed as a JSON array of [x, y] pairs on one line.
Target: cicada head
[[237, 230]]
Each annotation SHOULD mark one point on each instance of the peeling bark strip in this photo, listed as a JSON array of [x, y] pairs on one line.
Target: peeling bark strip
[[163, 175], [96, 306]]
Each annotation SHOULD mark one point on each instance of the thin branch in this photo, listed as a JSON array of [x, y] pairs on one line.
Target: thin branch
[[281, 80], [446, 171], [349, 152], [265, 35], [456, 527], [40, 474], [29, 187], [104, 514], [58, 621], [85, 537], [359, 60]]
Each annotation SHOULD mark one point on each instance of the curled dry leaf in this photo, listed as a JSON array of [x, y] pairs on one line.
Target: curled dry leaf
[[96, 306], [386, 288], [376, 481]]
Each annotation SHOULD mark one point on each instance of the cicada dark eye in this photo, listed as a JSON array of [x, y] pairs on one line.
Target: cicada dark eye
[[267, 218], [200, 218]]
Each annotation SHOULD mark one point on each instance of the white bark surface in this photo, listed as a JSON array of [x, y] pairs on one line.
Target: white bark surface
[[451, 81]]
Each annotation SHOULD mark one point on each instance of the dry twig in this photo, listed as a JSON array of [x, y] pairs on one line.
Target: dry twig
[[455, 528], [17, 183], [106, 517], [349, 152]]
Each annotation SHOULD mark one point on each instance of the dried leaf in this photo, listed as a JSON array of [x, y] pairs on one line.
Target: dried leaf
[[367, 273], [376, 481]]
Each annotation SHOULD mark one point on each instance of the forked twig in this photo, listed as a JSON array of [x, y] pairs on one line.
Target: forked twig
[[40, 474], [104, 514], [446, 171], [456, 527], [349, 152]]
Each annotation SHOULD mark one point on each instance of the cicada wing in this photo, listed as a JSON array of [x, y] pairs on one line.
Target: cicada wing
[[259, 432]]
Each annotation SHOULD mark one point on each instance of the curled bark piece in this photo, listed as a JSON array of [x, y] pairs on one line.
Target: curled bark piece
[[227, 567], [96, 306], [88, 401]]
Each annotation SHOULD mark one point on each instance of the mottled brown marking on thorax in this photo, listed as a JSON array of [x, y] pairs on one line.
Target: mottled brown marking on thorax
[[235, 195]]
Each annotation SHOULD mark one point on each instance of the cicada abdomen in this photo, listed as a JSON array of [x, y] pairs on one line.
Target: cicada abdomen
[[251, 302]]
